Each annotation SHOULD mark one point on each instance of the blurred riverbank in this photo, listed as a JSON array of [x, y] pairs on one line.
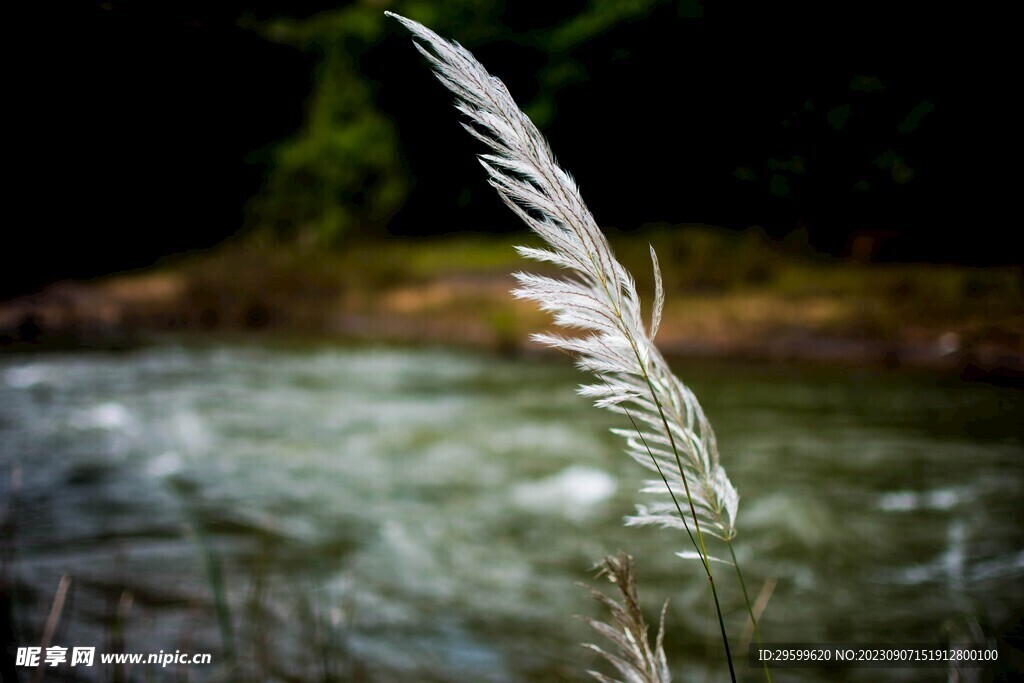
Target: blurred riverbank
[[728, 295]]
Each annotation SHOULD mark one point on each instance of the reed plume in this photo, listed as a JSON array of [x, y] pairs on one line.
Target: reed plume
[[674, 438], [636, 661], [669, 434]]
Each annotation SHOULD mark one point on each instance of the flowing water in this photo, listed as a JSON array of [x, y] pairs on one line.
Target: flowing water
[[310, 513]]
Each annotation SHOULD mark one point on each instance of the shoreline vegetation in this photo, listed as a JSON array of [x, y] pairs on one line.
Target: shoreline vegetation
[[731, 295]]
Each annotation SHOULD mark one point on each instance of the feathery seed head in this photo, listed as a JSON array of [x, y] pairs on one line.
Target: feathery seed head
[[670, 434], [635, 660]]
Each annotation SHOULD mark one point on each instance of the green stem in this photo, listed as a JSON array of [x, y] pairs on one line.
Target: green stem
[[721, 625], [750, 607], [702, 549], [693, 511], [699, 548]]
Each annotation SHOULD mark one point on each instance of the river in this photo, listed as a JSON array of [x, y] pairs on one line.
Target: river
[[314, 512]]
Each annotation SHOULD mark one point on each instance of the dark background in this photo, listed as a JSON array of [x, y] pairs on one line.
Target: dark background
[[145, 129]]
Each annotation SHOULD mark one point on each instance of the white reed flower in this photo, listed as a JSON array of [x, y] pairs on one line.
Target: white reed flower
[[670, 434]]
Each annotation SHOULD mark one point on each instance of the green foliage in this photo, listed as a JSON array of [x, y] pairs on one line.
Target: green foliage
[[915, 115], [342, 171], [343, 174], [598, 17]]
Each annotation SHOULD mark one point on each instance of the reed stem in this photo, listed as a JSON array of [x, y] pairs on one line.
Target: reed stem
[[750, 606]]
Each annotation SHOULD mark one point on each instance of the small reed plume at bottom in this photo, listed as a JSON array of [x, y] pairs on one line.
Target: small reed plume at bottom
[[635, 660]]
